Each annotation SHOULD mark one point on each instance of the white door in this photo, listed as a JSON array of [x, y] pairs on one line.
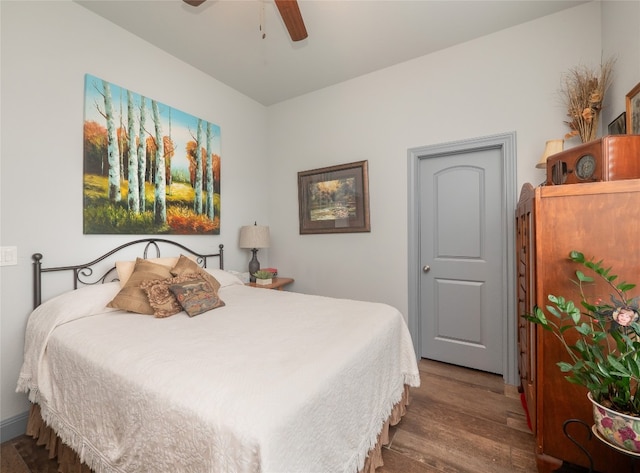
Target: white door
[[462, 256]]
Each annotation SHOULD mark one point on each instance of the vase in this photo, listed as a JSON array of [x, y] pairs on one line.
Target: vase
[[619, 430], [264, 282], [589, 128]]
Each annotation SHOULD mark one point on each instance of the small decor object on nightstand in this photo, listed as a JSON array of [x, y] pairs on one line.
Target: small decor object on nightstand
[[273, 271], [277, 283], [263, 278]]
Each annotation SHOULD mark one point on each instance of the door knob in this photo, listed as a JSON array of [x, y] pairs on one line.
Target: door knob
[[426, 268]]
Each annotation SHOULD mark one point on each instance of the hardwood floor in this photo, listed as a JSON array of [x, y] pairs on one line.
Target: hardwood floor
[[459, 421], [462, 421]]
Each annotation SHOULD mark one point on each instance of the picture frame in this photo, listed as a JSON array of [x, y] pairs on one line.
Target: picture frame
[[619, 125], [633, 110], [334, 199], [133, 186]]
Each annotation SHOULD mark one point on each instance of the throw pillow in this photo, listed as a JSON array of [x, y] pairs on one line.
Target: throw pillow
[[162, 300], [196, 296], [125, 268], [132, 297], [186, 265]]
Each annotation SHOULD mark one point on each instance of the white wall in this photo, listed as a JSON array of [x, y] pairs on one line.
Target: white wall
[[621, 39], [47, 47], [504, 82]]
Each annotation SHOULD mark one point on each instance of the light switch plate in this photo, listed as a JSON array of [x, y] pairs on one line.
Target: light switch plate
[[8, 255]]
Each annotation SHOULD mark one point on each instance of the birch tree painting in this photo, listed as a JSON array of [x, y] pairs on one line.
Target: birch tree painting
[[148, 168]]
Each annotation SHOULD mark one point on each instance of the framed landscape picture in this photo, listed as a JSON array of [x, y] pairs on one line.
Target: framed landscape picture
[[619, 125], [334, 199], [148, 168], [633, 111]]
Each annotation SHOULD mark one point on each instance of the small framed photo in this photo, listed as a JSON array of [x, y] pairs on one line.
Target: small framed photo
[[334, 199], [619, 125], [633, 111]]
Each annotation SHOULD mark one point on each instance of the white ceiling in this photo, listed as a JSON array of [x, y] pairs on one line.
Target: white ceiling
[[347, 38]]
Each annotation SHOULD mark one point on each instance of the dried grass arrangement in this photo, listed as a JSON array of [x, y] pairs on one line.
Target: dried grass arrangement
[[583, 91]]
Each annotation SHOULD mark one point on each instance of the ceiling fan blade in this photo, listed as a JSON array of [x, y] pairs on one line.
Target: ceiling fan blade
[[194, 3], [290, 13]]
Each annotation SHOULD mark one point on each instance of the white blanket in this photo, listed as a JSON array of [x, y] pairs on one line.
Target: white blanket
[[274, 382]]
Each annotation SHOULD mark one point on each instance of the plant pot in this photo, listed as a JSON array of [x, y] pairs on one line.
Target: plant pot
[[619, 430], [264, 282]]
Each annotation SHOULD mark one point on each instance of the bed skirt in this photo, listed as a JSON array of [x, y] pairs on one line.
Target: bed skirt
[[69, 462]]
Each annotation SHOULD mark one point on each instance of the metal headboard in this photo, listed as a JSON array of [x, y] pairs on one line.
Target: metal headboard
[[83, 273]]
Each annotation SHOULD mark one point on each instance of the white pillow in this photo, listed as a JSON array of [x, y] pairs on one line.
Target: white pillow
[[225, 278], [84, 301]]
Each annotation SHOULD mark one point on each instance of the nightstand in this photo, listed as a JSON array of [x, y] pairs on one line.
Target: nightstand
[[277, 284]]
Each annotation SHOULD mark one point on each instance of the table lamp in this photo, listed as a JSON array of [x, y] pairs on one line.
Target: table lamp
[[253, 237], [551, 147]]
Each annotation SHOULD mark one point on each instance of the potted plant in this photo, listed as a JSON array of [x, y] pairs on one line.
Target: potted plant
[[602, 338], [263, 278]]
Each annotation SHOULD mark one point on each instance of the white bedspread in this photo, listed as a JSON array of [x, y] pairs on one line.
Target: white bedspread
[[274, 382]]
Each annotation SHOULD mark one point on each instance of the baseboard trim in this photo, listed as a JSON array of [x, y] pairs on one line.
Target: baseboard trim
[[14, 426]]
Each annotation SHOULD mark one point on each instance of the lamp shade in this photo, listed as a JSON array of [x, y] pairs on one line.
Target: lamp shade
[[254, 236], [552, 147]]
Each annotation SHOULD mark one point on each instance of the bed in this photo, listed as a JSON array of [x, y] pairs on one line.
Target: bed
[[259, 381]]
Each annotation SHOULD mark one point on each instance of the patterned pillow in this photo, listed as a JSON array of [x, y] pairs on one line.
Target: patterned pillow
[[133, 298], [162, 300], [196, 296], [186, 265]]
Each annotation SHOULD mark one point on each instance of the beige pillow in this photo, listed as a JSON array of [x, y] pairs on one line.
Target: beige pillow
[[162, 300], [125, 268], [186, 265], [132, 297]]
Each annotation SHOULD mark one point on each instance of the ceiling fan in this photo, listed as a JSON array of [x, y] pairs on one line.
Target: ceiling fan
[[290, 13]]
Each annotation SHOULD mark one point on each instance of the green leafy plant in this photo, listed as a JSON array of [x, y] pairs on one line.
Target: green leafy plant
[[263, 274], [605, 345]]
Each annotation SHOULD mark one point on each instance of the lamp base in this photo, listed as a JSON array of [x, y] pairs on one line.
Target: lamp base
[[254, 265]]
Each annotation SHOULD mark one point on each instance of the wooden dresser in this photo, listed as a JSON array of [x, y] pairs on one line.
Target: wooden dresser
[[601, 220]]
